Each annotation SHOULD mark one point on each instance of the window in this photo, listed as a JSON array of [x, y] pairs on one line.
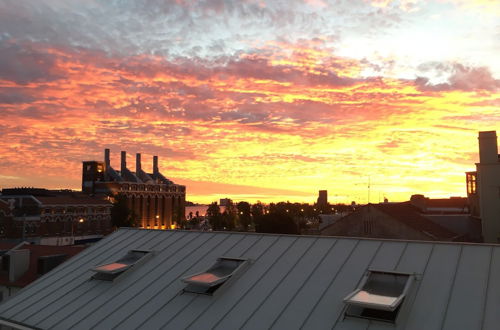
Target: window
[[209, 281], [108, 272], [379, 296], [471, 182]]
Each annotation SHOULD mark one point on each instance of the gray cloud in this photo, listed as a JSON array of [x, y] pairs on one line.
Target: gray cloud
[[24, 64], [458, 77]]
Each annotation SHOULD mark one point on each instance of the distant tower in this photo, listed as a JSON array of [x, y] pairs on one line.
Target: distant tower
[[485, 186], [323, 198], [93, 171]]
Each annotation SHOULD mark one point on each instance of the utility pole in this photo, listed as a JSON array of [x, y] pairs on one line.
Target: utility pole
[[369, 189]]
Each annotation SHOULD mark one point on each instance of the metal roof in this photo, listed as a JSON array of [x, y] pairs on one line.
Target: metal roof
[[292, 282]]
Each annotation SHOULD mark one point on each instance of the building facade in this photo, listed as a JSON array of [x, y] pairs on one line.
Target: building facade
[[55, 217], [155, 201], [483, 187]]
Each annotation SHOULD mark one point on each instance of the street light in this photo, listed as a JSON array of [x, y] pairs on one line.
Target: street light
[[81, 220]]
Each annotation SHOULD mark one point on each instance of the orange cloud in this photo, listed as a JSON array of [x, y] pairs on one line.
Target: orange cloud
[[276, 123]]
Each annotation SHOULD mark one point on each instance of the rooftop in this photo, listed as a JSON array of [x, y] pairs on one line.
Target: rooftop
[[36, 251], [410, 215], [290, 282], [55, 197]]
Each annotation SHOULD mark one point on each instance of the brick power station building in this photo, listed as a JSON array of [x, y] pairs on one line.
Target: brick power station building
[[156, 201]]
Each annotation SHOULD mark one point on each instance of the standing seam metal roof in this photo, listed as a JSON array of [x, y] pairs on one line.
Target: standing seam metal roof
[[293, 282]]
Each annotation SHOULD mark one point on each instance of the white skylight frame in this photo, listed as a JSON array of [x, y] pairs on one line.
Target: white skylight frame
[[196, 281], [393, 302], [112, 270]]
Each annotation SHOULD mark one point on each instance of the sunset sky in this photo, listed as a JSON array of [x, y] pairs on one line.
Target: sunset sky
[[251, 99]]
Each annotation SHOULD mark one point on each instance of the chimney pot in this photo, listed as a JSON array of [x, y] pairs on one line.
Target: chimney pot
[[488, 148]]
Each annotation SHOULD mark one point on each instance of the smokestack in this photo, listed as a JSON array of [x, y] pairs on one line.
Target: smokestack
[[107, 161], [123, 162], [155, 165], [488, 148], [137, 163]]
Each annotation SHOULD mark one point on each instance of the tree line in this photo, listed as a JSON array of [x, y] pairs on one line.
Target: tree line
[[282, 217]]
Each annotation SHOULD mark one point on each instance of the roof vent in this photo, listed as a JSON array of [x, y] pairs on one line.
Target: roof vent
[[108, 272], [209, 281], [379, 296]]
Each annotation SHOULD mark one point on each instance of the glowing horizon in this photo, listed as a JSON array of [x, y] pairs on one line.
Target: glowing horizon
[[252, 100]]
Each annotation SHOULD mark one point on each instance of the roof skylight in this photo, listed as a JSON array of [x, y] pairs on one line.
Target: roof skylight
[[379, 296], [108, 272], [209, 281]]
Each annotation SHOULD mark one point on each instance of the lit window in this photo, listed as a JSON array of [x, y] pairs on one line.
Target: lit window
[[209, 281], [471, 182], [108, 272], [379, 296]]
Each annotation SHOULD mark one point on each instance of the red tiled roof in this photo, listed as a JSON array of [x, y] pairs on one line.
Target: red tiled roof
[[409, 215], [35, 252]]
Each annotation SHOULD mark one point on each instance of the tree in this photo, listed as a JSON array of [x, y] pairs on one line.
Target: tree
[[229, 217], [244, 215], [279, 223], [214, 216], [257, 210], [121, 215]]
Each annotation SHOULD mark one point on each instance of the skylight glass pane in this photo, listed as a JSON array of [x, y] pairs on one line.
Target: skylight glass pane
[[111, 267], [369, 298], [205, 278]]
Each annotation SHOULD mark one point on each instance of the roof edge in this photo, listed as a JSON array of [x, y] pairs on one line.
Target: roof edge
[[16, 324], [316, 236]]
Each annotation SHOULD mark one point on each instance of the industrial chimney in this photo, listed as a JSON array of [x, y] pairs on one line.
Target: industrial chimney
[[123, 162], [107, 161], [138, 166], [155, 166]]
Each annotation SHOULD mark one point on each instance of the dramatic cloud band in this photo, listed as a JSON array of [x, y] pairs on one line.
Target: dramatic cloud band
[[252, 99]]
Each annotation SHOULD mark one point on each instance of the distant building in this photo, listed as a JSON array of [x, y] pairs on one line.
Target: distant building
[[24, 263], [322, 198], [54, 217], [5, 218], [151, 279], [419, 219], [155, 200], [225, 202], [483, 187]]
